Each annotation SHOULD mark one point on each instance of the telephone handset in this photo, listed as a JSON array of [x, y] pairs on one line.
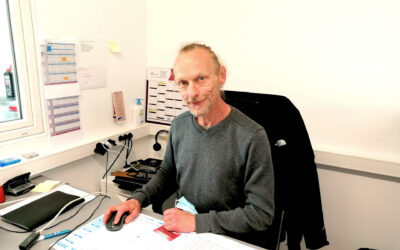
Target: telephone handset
[[18, 185]]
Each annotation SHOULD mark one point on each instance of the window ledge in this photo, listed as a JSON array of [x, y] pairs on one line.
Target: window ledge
[[54, 153]]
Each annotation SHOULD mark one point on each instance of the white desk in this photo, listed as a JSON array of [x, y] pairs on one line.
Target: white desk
[[10, 240]]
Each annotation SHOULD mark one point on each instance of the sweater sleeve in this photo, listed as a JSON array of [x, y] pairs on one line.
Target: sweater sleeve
[[163, 184], [257, 212]]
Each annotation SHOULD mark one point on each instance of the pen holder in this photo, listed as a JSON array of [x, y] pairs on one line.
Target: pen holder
[[2, 197]]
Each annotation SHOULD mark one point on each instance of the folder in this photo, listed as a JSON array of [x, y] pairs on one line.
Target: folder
[[41, 210]]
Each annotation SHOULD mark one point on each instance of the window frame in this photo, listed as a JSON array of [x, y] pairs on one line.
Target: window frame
[[25, 55]]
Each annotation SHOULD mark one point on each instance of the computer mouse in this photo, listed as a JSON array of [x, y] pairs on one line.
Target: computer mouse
[[115, 227]]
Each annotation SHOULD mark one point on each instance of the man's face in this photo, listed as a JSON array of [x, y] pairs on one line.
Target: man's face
[[199, 80]]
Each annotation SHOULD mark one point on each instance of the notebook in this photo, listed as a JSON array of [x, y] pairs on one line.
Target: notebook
[[41, 210]]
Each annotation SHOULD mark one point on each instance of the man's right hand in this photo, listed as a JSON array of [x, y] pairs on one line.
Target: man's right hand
[[132, 206]]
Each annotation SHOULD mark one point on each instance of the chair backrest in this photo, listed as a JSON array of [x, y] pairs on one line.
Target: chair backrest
[[280, 119]]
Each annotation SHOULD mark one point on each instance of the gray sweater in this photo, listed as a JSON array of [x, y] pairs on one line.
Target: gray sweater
[[225, 172]]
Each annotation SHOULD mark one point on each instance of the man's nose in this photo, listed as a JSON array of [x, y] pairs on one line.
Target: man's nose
[[192, 90]]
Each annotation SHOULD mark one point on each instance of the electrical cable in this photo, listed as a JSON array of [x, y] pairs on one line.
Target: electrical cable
[[128, 150], [64, 207], [112, 164], [12, 231], [33, 237], [129, 164], [107, 175], [157, 145], [133, 153], [107, 149], [123, 145], [105, 196], [58, 223]]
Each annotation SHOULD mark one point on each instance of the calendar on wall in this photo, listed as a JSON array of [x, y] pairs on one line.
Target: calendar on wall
[[163, 102]]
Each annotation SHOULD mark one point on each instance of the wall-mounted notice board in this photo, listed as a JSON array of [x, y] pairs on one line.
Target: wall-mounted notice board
[[163, 101]]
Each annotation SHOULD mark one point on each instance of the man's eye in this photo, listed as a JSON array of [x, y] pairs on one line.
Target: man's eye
[[202, 78], [182, 83]]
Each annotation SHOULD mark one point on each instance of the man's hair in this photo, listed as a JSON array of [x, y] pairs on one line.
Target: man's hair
[[192, 46]]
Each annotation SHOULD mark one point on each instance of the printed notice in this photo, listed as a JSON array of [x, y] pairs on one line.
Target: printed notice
[[163, 102], [63, 115], [59, 63]]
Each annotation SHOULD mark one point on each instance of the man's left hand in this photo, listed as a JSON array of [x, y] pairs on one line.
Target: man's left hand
[[178, 221]]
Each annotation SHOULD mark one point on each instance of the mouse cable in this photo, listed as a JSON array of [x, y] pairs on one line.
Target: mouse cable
[[105, 196], [34, 236], [64, 207], [28, 231], [58, 223], [39, 195]]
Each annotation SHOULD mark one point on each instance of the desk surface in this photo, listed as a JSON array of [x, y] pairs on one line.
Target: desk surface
[[10, 240]]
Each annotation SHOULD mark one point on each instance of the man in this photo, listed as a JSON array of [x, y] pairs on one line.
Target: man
[[216, 156]]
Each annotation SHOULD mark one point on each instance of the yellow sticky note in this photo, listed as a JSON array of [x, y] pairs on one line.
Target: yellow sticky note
[[113, 46], [45, 186]]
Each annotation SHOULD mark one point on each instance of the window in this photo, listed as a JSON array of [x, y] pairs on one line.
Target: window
[[20, 105]]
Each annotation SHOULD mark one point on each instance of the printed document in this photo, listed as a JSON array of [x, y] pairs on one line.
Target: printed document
[[141, 234]]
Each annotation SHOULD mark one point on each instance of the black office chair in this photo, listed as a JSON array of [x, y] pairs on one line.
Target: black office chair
[[298, 210]]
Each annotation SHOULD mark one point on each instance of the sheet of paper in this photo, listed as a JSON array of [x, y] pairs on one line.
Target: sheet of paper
[[137, 235], [92, 70], [63, 115], [211, 241], [91, 52], [64, 188], [141, 234], [92, 78], [45, 186], [59, 66], [59, 63]]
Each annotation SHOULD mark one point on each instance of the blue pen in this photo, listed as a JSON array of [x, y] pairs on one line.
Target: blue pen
[[48, 236], [9, 161]]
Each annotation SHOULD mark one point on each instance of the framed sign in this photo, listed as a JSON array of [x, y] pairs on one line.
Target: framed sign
[[163, 102]]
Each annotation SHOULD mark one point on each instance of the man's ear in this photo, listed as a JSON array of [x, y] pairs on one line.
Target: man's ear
[[222, 76]]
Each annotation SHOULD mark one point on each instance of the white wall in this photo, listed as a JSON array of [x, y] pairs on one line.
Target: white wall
[[102, 21], [338, 61], [360, 210]]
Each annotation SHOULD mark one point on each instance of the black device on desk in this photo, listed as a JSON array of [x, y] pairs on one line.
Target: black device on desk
[[138, 176], [18, 185], [41, 210], [110, 226]]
